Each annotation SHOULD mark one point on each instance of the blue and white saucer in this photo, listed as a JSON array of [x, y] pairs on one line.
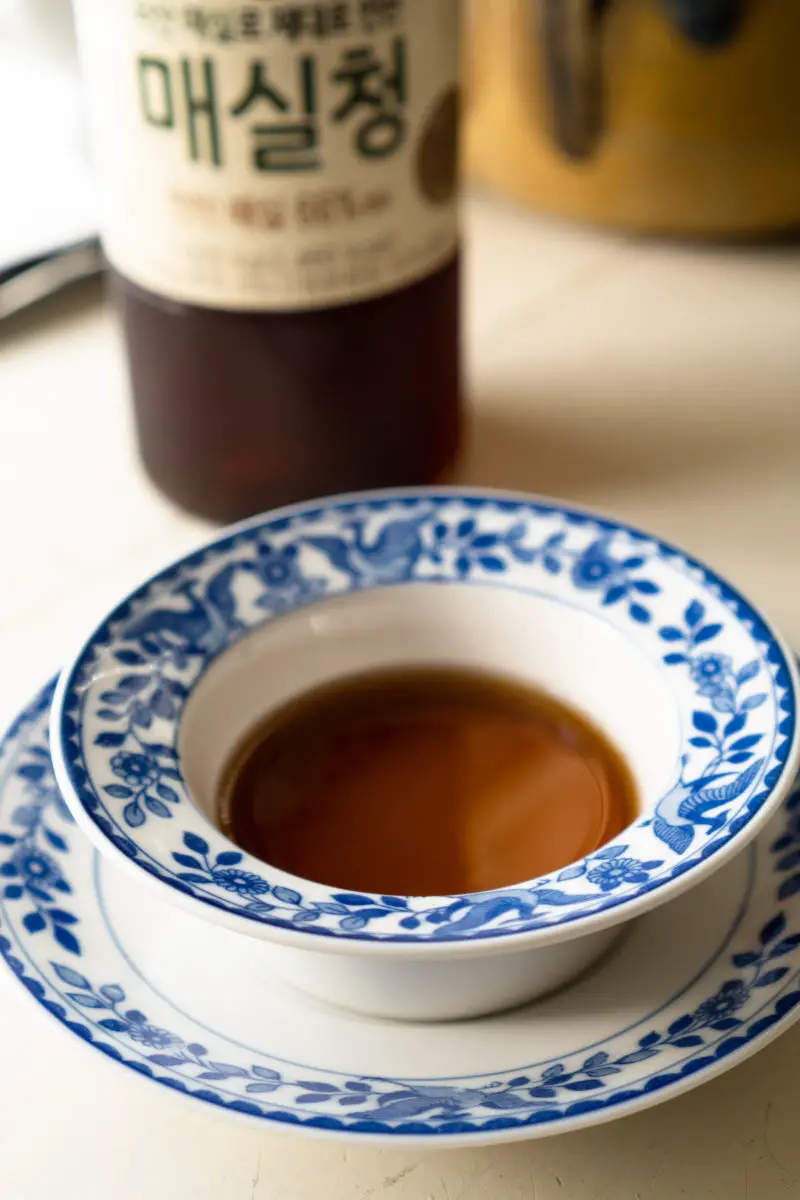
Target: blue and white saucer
[[698, 985]]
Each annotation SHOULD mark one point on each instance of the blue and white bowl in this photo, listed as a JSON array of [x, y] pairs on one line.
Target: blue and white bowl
[[681, 671]]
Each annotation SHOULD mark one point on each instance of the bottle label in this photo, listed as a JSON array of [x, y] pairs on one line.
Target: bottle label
[[266, 155]]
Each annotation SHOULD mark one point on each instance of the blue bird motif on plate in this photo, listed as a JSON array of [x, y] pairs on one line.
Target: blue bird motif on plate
[[708, 24], [390, 558], [196, 629], [691, 803]]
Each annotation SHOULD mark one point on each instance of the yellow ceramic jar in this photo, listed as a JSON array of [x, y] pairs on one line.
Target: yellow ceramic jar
[[679, 116]]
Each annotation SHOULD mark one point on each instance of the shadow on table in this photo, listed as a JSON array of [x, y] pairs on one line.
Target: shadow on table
[[574, 455], [733, 1137]]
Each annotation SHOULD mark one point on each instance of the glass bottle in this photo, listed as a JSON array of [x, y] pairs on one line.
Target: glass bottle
[[279, 198]]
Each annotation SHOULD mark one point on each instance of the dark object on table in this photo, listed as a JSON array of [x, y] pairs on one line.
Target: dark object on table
[[706, 23], [572, 36], [31, 281]]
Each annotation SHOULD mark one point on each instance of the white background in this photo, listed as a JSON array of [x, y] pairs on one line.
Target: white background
[[47, 196], [658, 382]]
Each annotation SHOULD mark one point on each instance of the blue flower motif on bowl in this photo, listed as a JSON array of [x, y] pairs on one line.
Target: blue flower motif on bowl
[[609, 874], [711, 673]]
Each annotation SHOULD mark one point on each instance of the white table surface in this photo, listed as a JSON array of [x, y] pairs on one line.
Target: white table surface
[[659, 382]]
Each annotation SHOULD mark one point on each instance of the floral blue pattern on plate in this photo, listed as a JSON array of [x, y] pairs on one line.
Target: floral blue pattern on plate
[[696, 1022], [119, 709]]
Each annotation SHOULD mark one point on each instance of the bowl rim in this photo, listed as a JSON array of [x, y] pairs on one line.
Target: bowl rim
[[614, 912]]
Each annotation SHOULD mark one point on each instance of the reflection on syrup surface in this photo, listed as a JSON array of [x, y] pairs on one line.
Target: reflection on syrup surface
[[425, 781]]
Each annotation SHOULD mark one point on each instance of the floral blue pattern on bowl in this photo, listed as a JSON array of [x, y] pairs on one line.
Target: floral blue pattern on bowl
[[119, 708], [745, 994]]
